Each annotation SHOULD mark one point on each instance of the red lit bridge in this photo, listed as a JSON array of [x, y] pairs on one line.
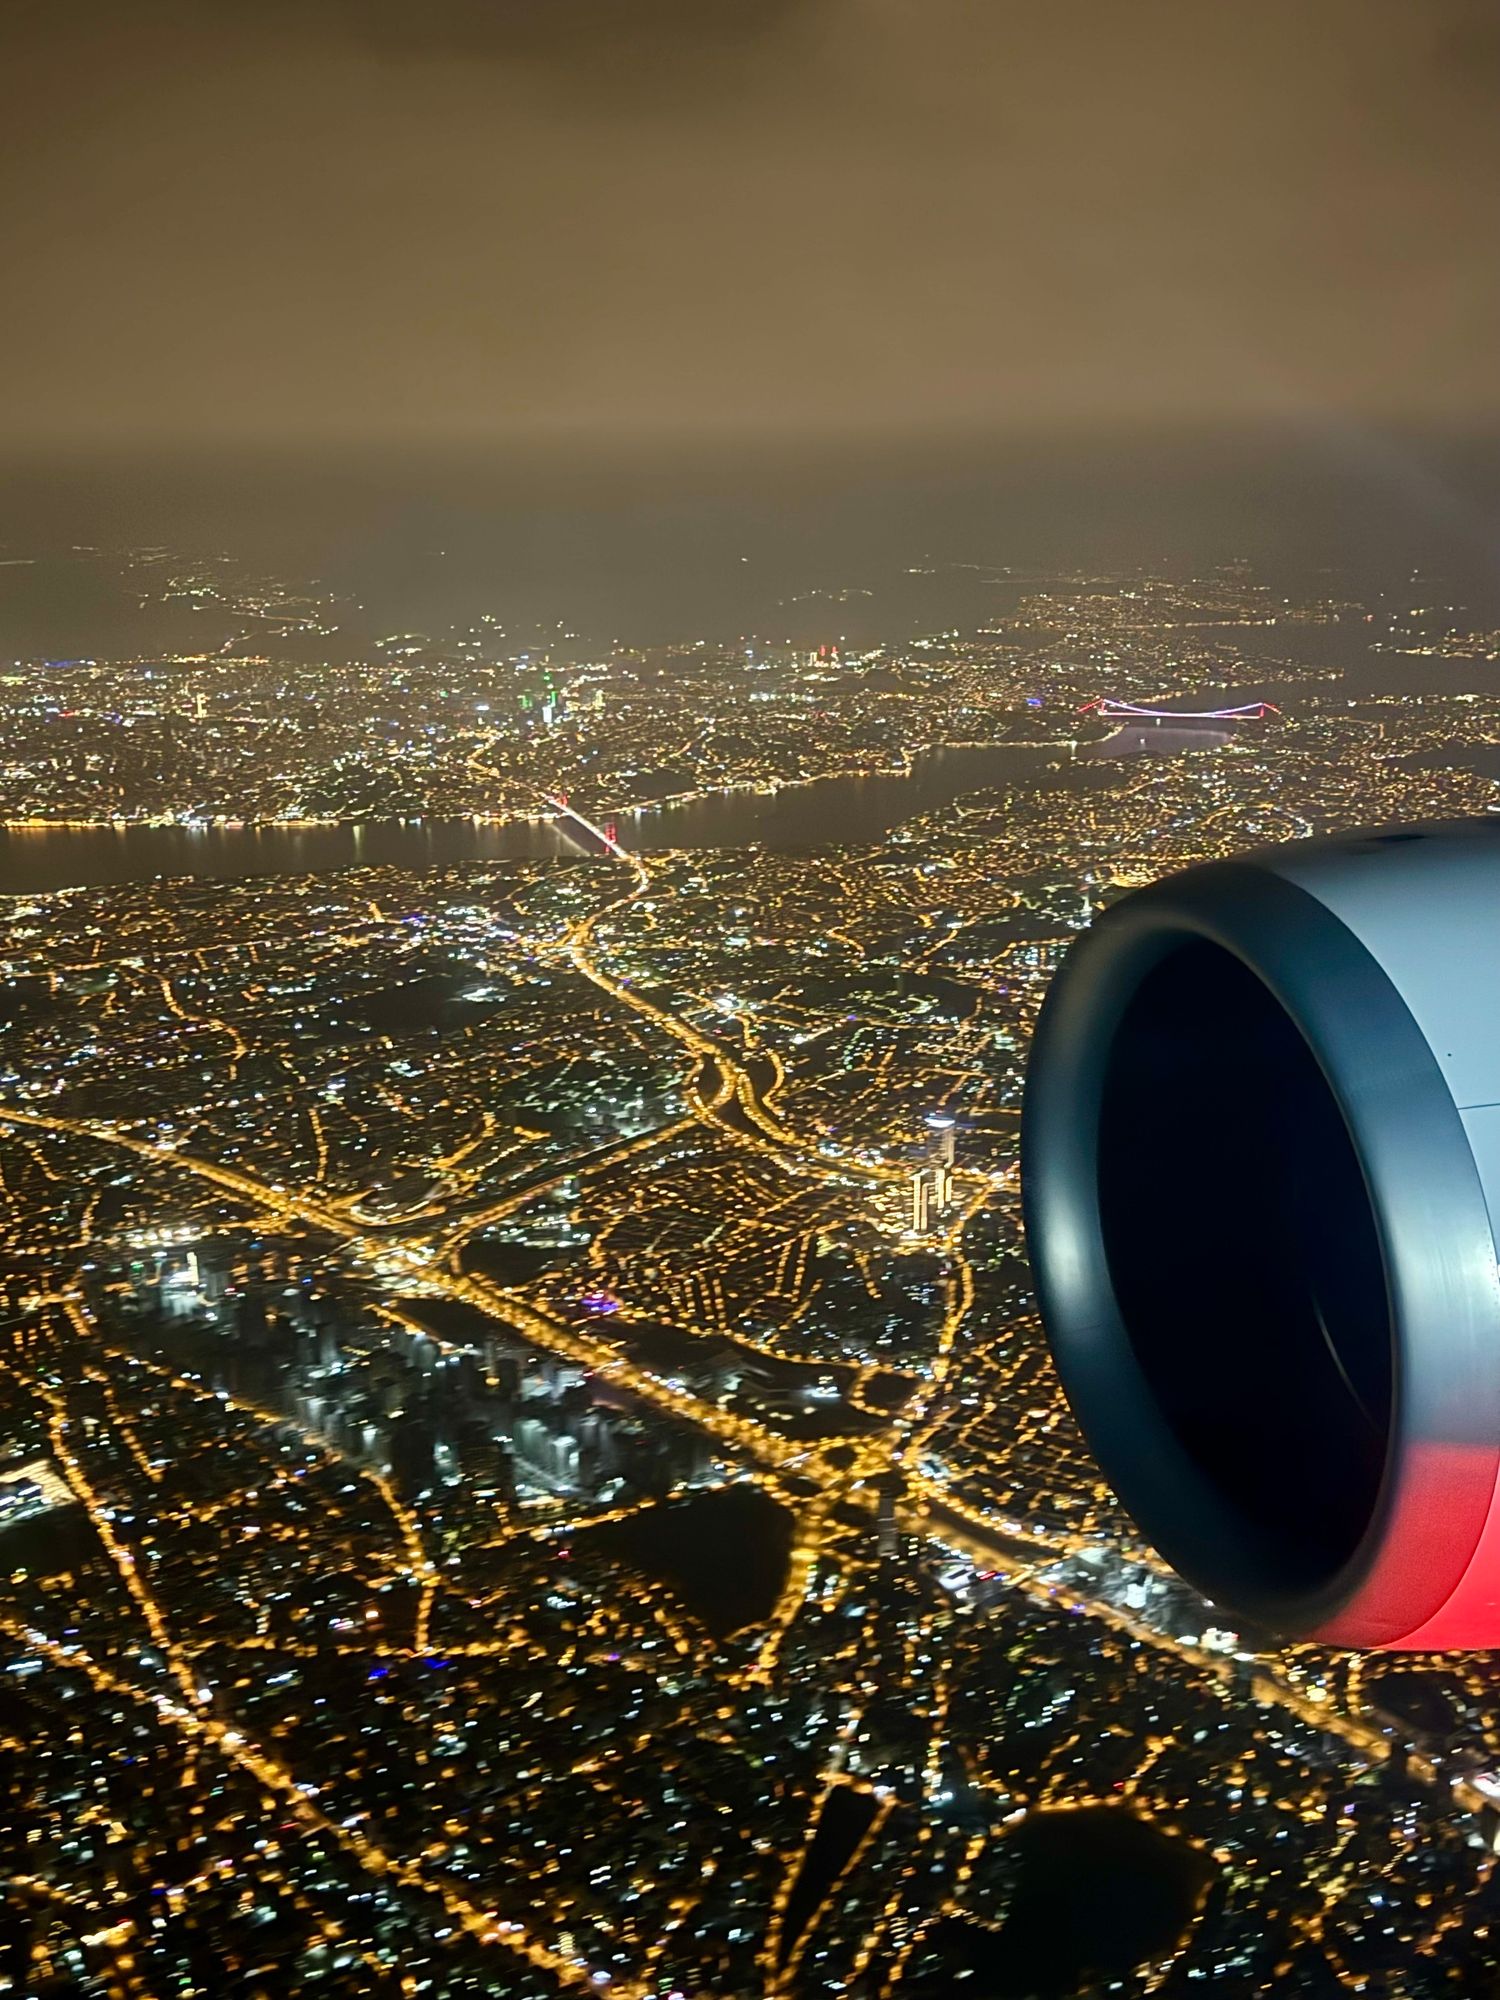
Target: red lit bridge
[[605, 835], [1106, 706]]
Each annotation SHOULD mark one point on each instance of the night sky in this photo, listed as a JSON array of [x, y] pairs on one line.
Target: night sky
[[493, 223]]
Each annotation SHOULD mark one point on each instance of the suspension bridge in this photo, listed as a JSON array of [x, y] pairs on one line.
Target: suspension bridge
[[1110, 709], [606, 835]]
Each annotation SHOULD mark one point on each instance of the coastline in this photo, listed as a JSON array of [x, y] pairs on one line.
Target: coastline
[[902, 768]]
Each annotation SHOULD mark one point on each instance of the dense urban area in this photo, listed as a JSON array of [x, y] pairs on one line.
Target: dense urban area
[[529, 1462]]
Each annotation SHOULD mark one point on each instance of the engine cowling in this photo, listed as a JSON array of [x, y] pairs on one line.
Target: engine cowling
[[1261, 1175]]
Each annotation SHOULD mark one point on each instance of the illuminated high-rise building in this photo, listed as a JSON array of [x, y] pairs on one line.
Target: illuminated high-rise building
[[888, 1488], [943, 1143], [920, 1201], [941, 1147]]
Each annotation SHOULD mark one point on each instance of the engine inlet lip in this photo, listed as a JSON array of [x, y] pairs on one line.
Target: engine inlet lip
[[1432, 1223]]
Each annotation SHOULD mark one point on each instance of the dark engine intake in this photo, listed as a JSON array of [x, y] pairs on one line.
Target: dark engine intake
[[1260, 1161]]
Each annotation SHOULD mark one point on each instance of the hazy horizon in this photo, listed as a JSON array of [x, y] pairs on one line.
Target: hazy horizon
[[658, 544]]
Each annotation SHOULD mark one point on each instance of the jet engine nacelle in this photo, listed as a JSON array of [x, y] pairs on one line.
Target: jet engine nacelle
[[1261, 1169]]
